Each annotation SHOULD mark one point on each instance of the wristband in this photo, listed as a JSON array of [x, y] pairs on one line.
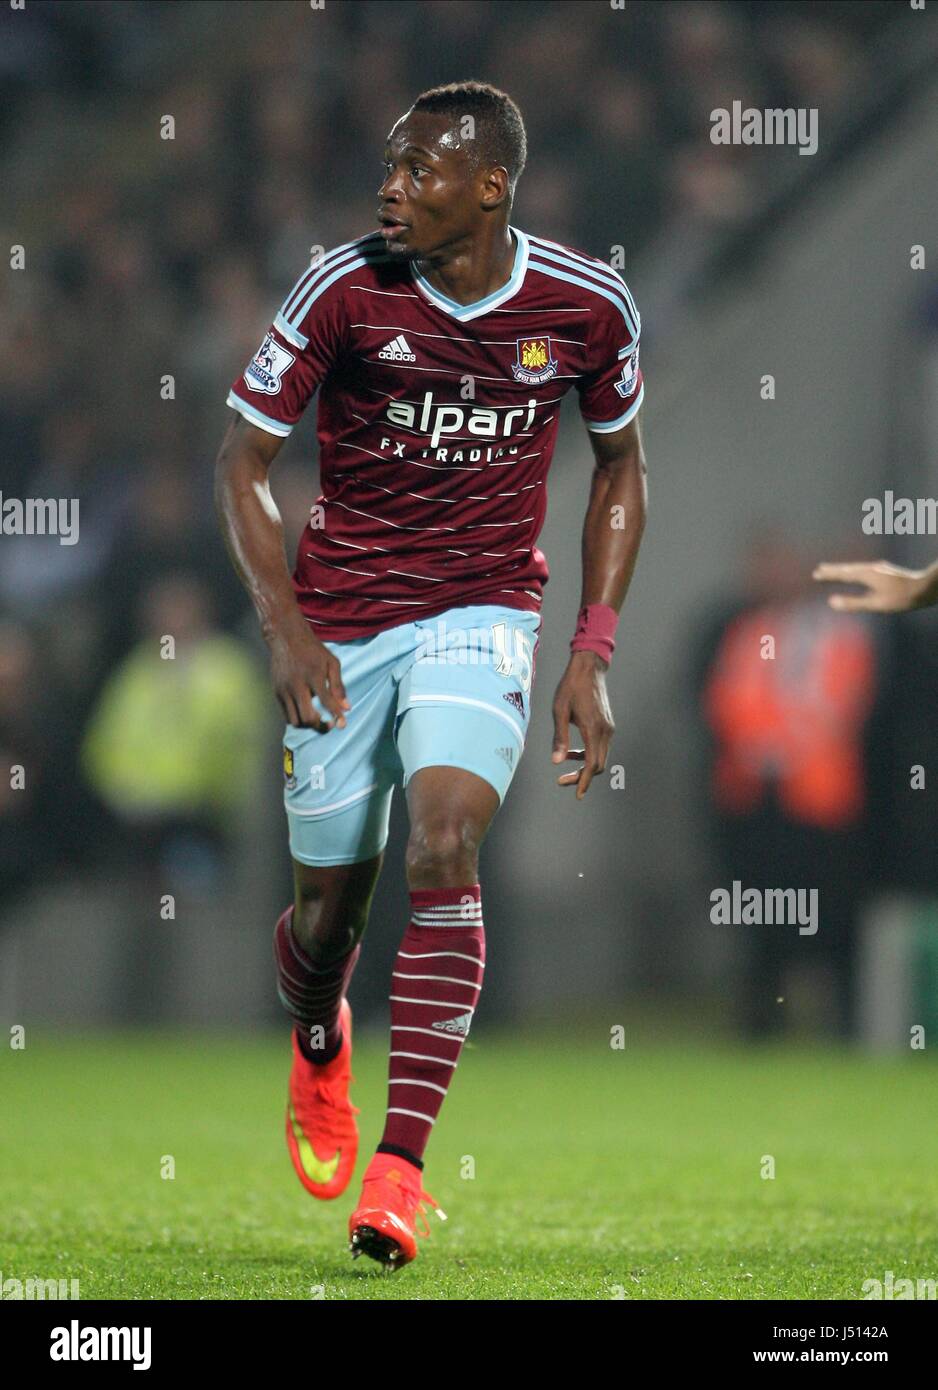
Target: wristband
[[595, 630]]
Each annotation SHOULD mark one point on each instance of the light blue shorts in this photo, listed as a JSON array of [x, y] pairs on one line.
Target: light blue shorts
[[453, 690]]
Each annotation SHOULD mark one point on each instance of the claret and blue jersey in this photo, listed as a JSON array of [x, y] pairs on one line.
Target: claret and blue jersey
[[437, 423]]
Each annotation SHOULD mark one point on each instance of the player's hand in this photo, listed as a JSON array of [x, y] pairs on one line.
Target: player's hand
[[889, 589], [581, 699], [300, 667]]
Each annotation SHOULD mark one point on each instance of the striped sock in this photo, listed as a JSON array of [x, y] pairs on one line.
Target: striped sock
[[312, 996], [436, 983]]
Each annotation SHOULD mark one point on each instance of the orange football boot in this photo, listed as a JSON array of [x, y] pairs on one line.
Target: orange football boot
[[322, 1135], [383, 1224]]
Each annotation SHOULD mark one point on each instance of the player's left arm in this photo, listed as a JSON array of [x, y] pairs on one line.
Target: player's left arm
[[612, 534]]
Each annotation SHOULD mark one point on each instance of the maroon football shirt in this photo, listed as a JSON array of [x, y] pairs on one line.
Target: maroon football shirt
[[437, 423]]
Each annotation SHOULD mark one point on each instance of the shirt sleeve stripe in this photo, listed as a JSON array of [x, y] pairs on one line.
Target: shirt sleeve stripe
[[616, 299], [290, 333], [608, 426], [327, 262], [297, 315], [584, 266], [255, 417]]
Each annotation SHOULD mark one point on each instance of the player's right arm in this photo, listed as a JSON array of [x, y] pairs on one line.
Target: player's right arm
[[300, 664], [304, 342], [889, 589]]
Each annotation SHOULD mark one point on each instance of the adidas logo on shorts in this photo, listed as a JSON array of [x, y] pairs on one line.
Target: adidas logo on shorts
[[514, 697], [507, 755], [455, 1025], [397, 350]]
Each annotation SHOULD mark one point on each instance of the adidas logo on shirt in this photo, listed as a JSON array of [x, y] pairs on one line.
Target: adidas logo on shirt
[[455, 1025], [397, 350]]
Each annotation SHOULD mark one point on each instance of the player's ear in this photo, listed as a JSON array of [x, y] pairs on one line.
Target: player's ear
[[495, 187]]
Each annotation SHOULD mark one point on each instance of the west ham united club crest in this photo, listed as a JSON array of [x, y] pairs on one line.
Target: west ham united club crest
[[289, 774], [535, 363]]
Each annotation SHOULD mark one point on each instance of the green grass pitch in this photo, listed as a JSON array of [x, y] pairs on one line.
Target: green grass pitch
[[598, 1173]]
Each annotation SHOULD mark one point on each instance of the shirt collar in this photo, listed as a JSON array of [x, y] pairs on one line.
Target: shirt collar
[[462, 312]]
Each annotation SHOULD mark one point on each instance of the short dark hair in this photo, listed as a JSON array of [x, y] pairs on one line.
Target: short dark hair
[[499, 128]]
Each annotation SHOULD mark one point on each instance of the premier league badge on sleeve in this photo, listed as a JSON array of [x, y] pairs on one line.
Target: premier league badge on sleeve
[[266, 368], [626, 386], [534, 363]]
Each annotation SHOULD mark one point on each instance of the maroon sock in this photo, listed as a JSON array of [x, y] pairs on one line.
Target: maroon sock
[[436, 983], [312, 995]]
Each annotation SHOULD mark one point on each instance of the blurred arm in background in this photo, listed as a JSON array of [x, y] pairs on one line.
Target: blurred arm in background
[[889, 589], [301, 665]]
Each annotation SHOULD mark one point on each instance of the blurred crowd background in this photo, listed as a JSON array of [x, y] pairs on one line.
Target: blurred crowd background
[[144, 860]]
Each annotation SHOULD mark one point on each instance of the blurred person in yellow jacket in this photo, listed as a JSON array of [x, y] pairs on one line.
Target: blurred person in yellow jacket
[[171, 746]]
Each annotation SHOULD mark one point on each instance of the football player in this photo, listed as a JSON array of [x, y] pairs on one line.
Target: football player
[[403, 648]]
